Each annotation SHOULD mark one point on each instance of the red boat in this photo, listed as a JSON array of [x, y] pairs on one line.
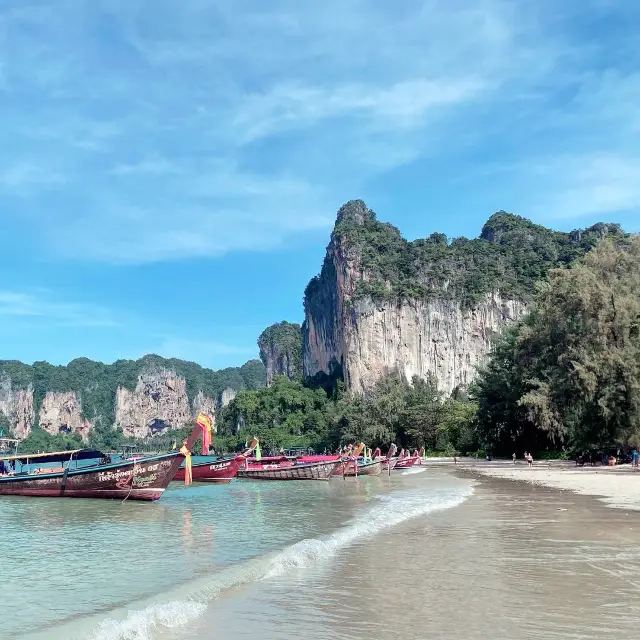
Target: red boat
[[221, 470], [136, 478], [143, 478], [405, 463]]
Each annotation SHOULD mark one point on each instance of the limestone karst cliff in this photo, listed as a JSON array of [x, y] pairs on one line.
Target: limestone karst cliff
[[382, 304], [61, 412], [143, 397], [16, 407], [281, 350], [159, 402], [226, 397]]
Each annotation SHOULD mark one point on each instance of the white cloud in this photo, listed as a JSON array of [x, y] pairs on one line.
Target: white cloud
[[403, 105], [157, 131], [590, 185], [41, 305], [21, 176]]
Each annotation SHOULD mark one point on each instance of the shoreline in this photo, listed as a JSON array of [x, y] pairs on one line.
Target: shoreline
[[618, 487]]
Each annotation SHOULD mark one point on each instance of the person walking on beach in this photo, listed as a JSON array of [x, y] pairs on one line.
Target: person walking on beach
[[634, 456], [514, 457], [529, 460]]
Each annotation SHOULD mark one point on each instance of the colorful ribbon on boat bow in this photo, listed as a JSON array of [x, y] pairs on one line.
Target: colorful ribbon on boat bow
[[204, 422], [188, 476]]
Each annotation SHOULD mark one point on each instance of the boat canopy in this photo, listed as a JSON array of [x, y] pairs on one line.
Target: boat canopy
[[56, 456]]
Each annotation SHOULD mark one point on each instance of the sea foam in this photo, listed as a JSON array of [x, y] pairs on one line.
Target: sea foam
[[186, 603]]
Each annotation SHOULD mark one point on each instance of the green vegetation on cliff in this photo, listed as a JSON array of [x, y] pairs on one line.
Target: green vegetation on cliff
[[568, 375], [95, 383], [510, 256], [288, 414], [281, 349]]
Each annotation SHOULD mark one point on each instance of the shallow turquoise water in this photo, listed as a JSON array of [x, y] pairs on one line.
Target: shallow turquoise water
[[108, 570]]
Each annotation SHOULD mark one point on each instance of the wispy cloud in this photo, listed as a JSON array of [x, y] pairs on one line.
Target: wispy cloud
[[41, 305], [586, 185], [157, 131], [21, 176]]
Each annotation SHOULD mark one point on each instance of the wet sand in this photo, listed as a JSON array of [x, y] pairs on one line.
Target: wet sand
[[617, 486], [515, 560]]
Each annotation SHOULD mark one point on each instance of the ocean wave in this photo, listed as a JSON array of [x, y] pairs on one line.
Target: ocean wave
[[187, 602], [140, 624], [395, 509]]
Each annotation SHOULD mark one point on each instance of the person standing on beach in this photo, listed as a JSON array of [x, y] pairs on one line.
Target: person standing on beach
[[514, 458], [529, 460], [634, 456]]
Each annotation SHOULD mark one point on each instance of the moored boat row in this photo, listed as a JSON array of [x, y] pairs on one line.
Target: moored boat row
[[88, 473]]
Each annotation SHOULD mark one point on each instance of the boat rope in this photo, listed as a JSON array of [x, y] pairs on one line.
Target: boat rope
[[133, 475]]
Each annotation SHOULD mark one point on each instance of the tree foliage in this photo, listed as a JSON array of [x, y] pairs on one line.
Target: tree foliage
[[509, 257], [284, 341], [569, 373], [289, 414]]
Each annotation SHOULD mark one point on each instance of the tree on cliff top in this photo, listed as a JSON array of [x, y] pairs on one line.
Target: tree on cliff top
[[509, 257], [569, 373], [281, 349]]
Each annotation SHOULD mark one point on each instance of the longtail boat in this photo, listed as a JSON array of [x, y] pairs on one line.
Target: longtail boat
[[352, 464], [221, 470], [136, 478], [143, 478], [362, 468], [388, 461], [405, 463], [405, 460], [289, 470]]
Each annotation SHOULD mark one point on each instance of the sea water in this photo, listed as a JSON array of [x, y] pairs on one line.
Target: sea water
[[425, 554], [106, 569]]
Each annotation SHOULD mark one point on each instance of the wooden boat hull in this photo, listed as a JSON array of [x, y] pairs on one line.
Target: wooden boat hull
[[308, 471], [220, 471], [140, 479], [405, 463], [388, 462], [368, 469]]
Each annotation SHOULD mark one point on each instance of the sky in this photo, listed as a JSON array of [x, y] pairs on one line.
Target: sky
[[170, 170]]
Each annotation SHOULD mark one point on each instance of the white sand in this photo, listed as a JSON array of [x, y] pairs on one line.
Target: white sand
[[617, 486]]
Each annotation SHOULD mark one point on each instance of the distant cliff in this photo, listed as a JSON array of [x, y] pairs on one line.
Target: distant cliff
[[382, 304], [142, 397], [281, 350]]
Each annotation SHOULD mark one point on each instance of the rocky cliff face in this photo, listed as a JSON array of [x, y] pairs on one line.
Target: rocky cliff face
[[144, 396], [226, 397], [362, 339], [159, 402], [436, 338], [281, 350], [16, 407], [61, 412]]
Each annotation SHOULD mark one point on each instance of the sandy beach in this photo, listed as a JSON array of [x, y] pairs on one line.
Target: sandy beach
[[618, 487]]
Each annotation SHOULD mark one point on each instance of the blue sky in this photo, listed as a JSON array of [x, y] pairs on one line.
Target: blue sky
[[170, 170]]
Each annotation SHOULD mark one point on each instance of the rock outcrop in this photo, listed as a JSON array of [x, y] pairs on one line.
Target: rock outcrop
[[143, 397], [206, 405], [16, 407], [159, 402], [226, 397], [61, 412], [357, 328], [281, 350], [436, 338]]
